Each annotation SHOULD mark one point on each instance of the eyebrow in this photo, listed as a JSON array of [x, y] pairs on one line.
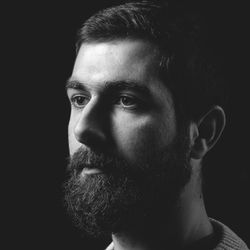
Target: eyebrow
[[110, 86], [73, 84]]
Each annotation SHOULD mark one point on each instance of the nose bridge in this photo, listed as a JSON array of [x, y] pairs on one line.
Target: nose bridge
[[90, 123]]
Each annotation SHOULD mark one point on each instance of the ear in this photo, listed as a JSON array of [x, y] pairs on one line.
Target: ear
[[207, 131]]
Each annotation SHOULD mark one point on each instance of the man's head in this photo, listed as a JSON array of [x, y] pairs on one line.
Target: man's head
[[144, 113]]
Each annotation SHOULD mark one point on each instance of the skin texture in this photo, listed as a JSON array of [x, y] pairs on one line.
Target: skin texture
[[121, 107]]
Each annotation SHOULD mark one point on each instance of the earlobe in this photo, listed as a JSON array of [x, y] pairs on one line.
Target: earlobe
[[210, 126]]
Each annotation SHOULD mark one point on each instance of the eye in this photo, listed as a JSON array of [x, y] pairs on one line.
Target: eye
[[79, 101], [128, 101]]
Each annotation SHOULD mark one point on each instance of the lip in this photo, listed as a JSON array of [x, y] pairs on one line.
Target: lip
[[86, 171]]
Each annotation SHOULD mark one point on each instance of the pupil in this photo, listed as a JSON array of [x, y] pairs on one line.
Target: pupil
[[125, 100], [80, 100]]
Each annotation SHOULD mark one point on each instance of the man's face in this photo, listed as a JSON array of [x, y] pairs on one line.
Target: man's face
[[122, 106], [122, 132]]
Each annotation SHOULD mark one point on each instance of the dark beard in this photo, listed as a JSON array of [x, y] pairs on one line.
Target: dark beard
[[126, 197]]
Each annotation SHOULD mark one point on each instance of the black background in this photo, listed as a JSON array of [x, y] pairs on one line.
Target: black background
[[39, 54]]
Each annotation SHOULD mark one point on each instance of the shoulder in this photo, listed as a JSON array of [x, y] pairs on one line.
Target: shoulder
[[228, 240]]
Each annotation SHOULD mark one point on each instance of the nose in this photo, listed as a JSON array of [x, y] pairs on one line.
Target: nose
[[90, 128]]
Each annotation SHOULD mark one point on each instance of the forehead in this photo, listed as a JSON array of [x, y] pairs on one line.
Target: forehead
[[116, 60]]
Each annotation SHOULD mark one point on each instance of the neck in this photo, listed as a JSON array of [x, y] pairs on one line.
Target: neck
[[188, 224]]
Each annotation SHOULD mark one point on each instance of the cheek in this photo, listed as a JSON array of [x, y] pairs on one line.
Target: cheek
[[136, 137], [72, 142]]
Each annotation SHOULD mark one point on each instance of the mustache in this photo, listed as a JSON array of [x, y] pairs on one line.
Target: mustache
[[85, 158]]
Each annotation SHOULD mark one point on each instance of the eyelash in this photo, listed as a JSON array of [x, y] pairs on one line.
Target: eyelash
[[118, 101], [135, 102]]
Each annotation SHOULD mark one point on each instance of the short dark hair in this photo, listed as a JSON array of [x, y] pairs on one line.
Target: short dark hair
[[188, 67]]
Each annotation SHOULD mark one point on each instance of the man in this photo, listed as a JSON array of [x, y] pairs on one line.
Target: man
[[146, 107]]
